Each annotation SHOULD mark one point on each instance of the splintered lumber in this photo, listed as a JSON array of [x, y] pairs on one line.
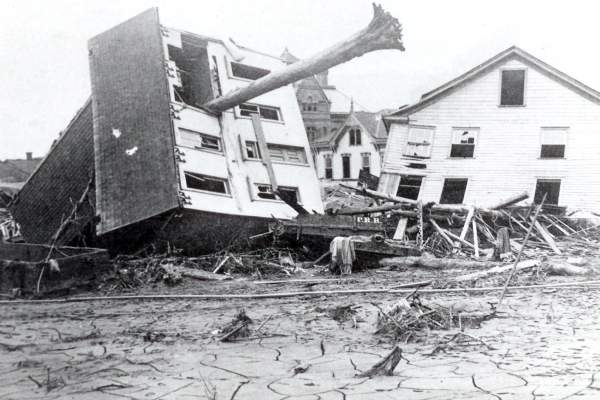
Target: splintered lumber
[[475, 239], [383, 32], [195, 273], [510, 201], [498, 270], [429, 261], [379, 195], [546, 236], [386, 366], [442, 233], [465, 228]]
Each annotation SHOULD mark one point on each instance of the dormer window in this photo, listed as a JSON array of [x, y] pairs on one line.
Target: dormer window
[[512, 92], [355, 139]]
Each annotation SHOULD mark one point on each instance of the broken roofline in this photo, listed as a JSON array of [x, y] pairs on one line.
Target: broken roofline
[[512, 52]]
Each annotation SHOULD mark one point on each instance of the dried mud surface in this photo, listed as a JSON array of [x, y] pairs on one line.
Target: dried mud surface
[[544, 345]]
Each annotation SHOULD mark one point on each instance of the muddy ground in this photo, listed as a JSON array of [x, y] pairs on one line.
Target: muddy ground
[[544, 344]]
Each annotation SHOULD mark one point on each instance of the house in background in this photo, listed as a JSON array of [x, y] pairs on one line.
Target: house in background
[[324, 108], [512, 124], [14, 173], [358, 144]]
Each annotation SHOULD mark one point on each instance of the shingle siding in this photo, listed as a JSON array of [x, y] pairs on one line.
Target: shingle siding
[[48, 196]]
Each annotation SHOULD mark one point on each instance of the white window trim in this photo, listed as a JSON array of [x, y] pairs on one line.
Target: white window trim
[[199, 147], [423, 179], [544, 129], [227, 185], [475, 148], [238, 78], [525, 80], [405, 149], [238, 114], [255, 196]]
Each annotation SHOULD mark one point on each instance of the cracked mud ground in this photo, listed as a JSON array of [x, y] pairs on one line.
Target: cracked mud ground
[[544, 346]]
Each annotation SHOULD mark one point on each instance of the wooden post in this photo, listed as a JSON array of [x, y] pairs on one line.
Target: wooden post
[[264, 150], [465, 228], [475, 239]]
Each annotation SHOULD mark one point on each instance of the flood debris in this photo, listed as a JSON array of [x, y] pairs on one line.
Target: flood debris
[[236, 328], [386, 366]]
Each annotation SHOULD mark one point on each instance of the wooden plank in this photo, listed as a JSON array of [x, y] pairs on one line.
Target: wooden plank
[[264, 150], [400, 229], [465, 228], [547, 237], [475, 239]]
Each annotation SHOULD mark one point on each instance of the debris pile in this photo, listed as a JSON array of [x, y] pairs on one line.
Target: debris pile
[[236, 328], [409, 318]]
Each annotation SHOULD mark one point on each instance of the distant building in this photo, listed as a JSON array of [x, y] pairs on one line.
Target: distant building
[[358, 144], [343, 135], [511, 124], [14, 173]]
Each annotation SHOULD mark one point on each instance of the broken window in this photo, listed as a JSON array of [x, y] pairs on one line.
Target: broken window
[[346, 166], [252, 150], [366, 162], [265, 191], [355, 139], [453, 191], [409, 187], [265, 112], [207, 183], [199, 140], [244, 71], [554, 141], [419, 142], [287, 153], [463, 142], [549, 187], [328, 166], [193, 70], [513, 88]]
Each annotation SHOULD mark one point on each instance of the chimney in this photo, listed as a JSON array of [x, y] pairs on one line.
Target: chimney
[[29, 155]]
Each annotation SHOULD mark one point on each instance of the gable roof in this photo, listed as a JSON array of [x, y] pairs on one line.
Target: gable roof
[[369, 122], [513, 52]]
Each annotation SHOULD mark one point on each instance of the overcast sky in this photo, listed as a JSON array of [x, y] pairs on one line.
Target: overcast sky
[[44, 75]]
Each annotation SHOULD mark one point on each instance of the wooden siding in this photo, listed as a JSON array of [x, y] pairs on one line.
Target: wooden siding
[[507, 153]]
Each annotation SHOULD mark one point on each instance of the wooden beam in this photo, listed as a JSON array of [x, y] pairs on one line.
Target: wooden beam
[[264, 150], [510, 201]]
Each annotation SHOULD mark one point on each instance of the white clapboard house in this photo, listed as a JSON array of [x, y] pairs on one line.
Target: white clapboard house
[[511, 124]]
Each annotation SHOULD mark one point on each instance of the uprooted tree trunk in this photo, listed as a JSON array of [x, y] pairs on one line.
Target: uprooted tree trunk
[[429, 261], [383, 32], [386, 366]]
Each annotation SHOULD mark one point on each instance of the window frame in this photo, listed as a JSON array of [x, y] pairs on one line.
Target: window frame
[[238, 112], [366, 155], [565, 132], [407, 143], [225, 182], [454, 178], [277, 199], [199, 145], [285, 149], [231, 75], [422, 177], [561, 181], [501, 72], [326, 158], [353, 134], [459, 130], [255, 147]]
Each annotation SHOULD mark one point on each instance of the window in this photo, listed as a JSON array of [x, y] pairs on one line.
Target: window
[[252, 150], [554, 141], [266, 192], [346, 166], [195, 139], [355, 138], [328, 166], [419, 142], [512, 92], [409, 187], [266, 112], [549, 187], [207, 183], [311, 132], [453, 191], [287, 154], [309, 105], [366, 162], [247, 71], [463, 142]]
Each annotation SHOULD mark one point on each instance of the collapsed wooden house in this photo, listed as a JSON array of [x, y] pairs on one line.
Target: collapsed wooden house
[[186, 139]]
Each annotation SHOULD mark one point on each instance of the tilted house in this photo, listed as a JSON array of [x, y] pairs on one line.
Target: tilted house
[[358, 144], [512, 124], [156, 164]]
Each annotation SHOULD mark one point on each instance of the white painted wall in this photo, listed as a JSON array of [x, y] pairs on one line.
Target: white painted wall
[[355, 152], [243, 174], [506, 158]]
